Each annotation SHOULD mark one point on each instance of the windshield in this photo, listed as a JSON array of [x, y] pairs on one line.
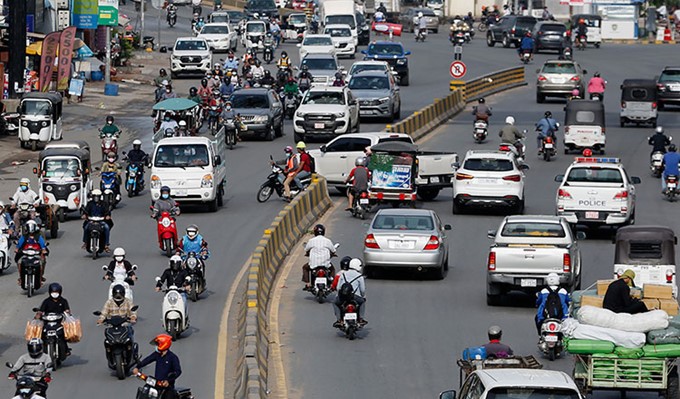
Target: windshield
[[320, 63], [488, 164], [297, 19], [553, 28], [532, 229], [190, 45], [356, 68], [341, 20], [219, 18], [220, 29], [394, 222], [532, 393], [385, 49], [36, 108], [670, 76], [559, 67], [369, 83], [249, 101], [260, 4], [585, 117], [324, 97], [255, 28], [338, 32], [526, 23], [318, 41], [427, 12], [594, 175], [61, 167], [181, 155]]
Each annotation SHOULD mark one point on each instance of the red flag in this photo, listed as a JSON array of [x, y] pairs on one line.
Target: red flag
[[66, 43], [49, 53]]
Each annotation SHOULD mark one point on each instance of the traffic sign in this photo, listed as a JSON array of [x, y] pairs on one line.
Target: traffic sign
[[457, 69]]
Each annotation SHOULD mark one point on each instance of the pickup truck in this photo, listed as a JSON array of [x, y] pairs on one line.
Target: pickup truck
[[336, 159], [528, 248]]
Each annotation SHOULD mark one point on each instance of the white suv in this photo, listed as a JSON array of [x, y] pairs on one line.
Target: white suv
[[341, 35], [489, 179], [190, 55], [326, 111]]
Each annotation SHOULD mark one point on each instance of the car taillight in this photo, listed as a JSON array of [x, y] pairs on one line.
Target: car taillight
[[575, 79], [540, 33], [402, 196], [661, 86], [512, 31], [504, 147], [432, 243], [654, 105], [463, 176], [491, 263], [621, 195], [321, 273], [566, 263], [563, 194], [370, 242], [669, 276], [381, 196], [542, 78], [552, 327], [623, 104], [514, 178]]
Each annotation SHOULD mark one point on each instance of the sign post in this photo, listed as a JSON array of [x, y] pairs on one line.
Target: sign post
[[457, 69], [158, 4], [108, 16]]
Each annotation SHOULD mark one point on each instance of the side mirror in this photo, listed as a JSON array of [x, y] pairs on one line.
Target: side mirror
[[635, 180], [217, 160], [134, 308], [456, 165], [35, 171], [621, 87], [447, 227], [559, 178], [134, 267], [97, 313], [407, 53], [523, 166], [10, 365], [299, 45], [36, 309], [353, 102], [585, 72], [158, 279], [448, 395], [491, 234], [580, 235], [538, 70], [104, 268], [323, 148]]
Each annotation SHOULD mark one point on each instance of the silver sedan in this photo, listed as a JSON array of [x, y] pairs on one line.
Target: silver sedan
[[407, 238]]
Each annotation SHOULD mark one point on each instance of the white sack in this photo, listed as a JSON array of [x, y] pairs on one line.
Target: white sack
[[641, 322], [632, 340]]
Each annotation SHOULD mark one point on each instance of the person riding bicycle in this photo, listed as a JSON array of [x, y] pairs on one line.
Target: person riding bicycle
[[527, 45]]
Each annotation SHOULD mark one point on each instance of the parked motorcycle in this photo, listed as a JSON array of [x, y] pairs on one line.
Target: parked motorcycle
[[656, 163], [95, 235], [122, 352], [551, 340], [151, 389], [175, 319], [167, 233], [671, 187], [5, 260], [274, 184], [110, 189], [350, 318], [481, 130], [53, 337], [172, 15], [548, 149], [31, 279], [109, 143], [194, 264]]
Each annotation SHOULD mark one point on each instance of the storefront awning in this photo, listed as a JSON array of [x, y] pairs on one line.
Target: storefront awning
[[36, 47]]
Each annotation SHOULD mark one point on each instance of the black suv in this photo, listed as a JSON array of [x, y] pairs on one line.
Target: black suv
[[509, 30], [549, 35], [261, 111], [668, 87], [262, 8]]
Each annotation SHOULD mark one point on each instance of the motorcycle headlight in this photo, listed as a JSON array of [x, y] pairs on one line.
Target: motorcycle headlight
[[207, 181], [48, 188], [191, 263], [24, 123], [173, 298], [384, 100], [165, 222], [299, 114], [73, 187], [44, 123]]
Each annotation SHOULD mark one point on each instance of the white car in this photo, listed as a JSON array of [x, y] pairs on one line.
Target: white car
[[341, 35], [219, 36], [190, 55], [596, 191], [326, 111], [361, 66], [489, 179], [316, 44]]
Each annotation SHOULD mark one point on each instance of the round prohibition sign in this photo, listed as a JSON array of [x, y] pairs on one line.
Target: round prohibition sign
[[457, 69]]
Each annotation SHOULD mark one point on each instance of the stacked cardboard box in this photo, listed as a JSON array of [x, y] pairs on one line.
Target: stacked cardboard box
[[660, 296]]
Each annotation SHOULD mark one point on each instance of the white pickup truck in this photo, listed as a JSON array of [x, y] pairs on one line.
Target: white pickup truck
[[335, 161], [528, 248]]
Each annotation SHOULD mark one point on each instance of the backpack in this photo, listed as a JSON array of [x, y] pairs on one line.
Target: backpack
[[553, 305], [312, 163], [346, 291]]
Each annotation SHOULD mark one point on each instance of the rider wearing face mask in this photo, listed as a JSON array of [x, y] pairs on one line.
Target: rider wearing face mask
[[231, 62], [120, 306], [165, 204], [96, 207], [24, 195], [176, 276], [168, 123], [194, 242], [168, 93], [109, 128], [35, 365], [120, 268], [56, 303], [168, 368], [111, 166]]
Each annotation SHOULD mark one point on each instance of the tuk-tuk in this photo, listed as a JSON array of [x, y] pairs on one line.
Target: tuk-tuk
[[179, 109], [638, 102], [297, 24], [39, 118], [394, 168], [64, 175], [649, 251], [594, 24], [253, 34], [584, 126]]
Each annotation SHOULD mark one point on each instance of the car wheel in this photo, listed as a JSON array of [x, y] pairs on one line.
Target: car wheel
[[397, 114], [279, 130], [622, 122], [271, 133], [403, 81], [489, 40], [440, 272], [506, 41], [540, 98], [493, 300], [519, 208], [436, 31], [457, 208]]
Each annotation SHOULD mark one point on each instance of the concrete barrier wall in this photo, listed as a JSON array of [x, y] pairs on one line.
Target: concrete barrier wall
[[289, 226]]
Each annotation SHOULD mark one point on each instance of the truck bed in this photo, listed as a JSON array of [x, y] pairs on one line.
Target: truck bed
[[435, 169], [529, 259]]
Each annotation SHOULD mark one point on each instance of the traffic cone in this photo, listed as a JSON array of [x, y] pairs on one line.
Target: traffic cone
[[667, 35]]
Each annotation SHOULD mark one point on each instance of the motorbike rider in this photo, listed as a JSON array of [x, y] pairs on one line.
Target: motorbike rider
[[546, 127], [320, 250], [359, 177], [120, 268], [26, 388], [284, 61], [379, 15], [304, 169], [205, 91], [56, 303], [33, 238], [422, 23], [659, 141], [267, 79], [291, 87], [509, 134], [269, 41], [552, 302], [213, 80], [193, 95], [6, 222], [596, 85], [182, 130], [110, 165], [305, 74], [137, 155], [168, 123], [194, 242], [35, 365], [527, 45], [24, 195], [176, 276], [494, 348], [481, 111], [168, 93], [257, 70], [109, 128], [581, 31], [171, 8], [670, 164], [229, 113], [97, 208], [275, 31], [165, 203], [344, 266], [469, 19], [339, 80], [290, 168], [162, 76], [227, 88], [119, 305], [231, 62], [168, 368], [356, 293]]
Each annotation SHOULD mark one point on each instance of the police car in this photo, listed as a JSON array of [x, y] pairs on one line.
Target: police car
[[597, 192]]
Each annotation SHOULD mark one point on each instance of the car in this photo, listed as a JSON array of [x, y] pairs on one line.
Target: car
[[596, 191], [322, 67], [409, 19], [407, 239], [558, 78], [489, 179], [261, 112], [363, 29], [232, 17], [668, 87], [190, 55], [263, 8], [341, 35], [298, 4], [550, 35], [361, 66], [326, 111], [509, 30], [378, 94], [220, 36], [492, 382], [394, 54], [316, 44]]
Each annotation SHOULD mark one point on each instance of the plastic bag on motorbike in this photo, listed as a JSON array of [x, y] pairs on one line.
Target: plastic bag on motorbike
[[72, 329], [34, 329]]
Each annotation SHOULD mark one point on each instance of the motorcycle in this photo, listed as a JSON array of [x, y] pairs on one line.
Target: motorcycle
[[195, 266], [175, 320], [25, 210], [53, 337], [120, 279], [350, 318], [548, 148], [550, 342], [290, 105], [273, 184], [657, 163], [581, 42], [457, 37], [167, 233], [172, 15], [122, 352], [671, 187], [481, 130], [322, 279], [596, 96], [151, 389], [5, 261], [526, 56], [197, 10], [11, 123], [232, 127], [109, 143], [30, 276], [134, 178], [213, 118], [41, 383], [268, 54], [95, 235], [110, 189], [421, 35], [361, 205], [517, 149], [566, 54]]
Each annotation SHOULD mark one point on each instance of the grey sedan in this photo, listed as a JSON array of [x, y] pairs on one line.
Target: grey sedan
[[409, 19], [377, 93], [407, 238]]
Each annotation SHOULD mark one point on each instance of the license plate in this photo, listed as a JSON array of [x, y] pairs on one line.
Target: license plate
[[179, 193], [51, 333], [671, 185], [558, 80], [487, 181], [548, 145], [551, 338], [351, 317], [592, 215], [319, 126], [320, 280], [675, 87], [365, 113], [402, 244], [480, 131], [434, 179], [363, 201], [528, 282]]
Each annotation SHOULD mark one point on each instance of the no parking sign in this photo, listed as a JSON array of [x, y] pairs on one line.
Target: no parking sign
[[457, 69]]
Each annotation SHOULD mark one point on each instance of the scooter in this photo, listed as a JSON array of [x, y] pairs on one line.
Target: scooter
[[458, 38], [481, 130], [361, 205], [290, 105], [421, 35], [548, 148], [232, 127], [167, 233], [657, 163], [350, 318], [31, 279], [110, 189], [134, 179], [273, 184], [151, 389], [513, 148], [95, 235], [566, 54], [53, 337], [671, 187], [109, 143], [172, 15], [122, 352], [213, 118], [120, 279], [194, 264], [526, 56], [41, 383], [175, 319], [5, 261], [268, 54], [322, 278], [550, 342]]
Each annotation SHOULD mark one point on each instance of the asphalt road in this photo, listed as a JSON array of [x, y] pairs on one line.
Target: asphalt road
[[419, 327]]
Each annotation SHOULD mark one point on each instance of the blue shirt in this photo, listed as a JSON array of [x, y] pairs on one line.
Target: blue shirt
[[195, 245], [164, 366], [671, 161], [547, 125], [96, 209], [231, 64], [527, 43], [30, 240], [542, 299]]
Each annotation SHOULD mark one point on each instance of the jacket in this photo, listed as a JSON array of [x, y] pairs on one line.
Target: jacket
[[111, 309], [196, 245], [112, 266], [543, 297], [510, 134], [659, 141], [26, 366], [495, 349], [25, 197], [138, 156], [596, 85], [178, 278], [167, 366], [548, 126], [162, 205], [527, 43], [109, 130], [618, 297], [670, 162]]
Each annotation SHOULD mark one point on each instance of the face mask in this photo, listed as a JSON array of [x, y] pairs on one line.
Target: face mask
[[24, 188], [54, 295], [111, 160], [191, 234], [167, 90], [165, 196], [228, 107], [119, 258], [167, 119], [109, 122]]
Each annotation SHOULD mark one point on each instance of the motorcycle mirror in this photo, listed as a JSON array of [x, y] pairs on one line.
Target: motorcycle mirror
[[134, 308], [271, 158], [523, 166], [36, 309], [322, 148], [336, 245], [151, 207], [104, 267], [158, 279], [448, 395], [9, 364], [447, 227], [97, 313], [134, 267]]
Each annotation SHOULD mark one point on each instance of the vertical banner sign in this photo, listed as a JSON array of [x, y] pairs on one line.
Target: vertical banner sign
[[49, 53], [66, 42], [85, 14], [108, 13]]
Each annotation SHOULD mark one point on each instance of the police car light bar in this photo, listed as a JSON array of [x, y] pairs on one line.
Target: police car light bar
[[597, 160]]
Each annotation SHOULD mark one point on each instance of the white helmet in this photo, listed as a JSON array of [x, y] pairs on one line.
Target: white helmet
[[355, 264], [31, 226], [25, 180], [118, 252], [553, 279], [137, 142], [360, 161], [659, 129], [420, 15], [510, 120], [96, 192], [164, 83], [182, 123]]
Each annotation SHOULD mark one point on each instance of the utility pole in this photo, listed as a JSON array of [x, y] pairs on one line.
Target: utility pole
[[17, 47], [141, 30], [107, 70]]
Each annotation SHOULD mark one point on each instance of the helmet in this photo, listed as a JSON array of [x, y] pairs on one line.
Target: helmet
[[35, 347], [204, 82], [175, 262], [96, 192], [25, 181], [355, 264], [136, 144], [301, 145], [596, 75], [482, 100], [165, 189], [659, 129], [344, 263], [420, 15], [112, 155], [118, 252], [494, 332], [267, 73], [193, 91], [510, 120], [284, 54], [162, 341], [587, 152], [575, 92], [288, 149], [109, 118], [548, 114], [360, 161], [257, 62], [553, 279], [305, 67], [528, 34], [162, 72], [581, 21], [672, 148], [192, 231], [118, 292], [182, 123], [319, 230], [55, 287], [26, 387], [31, 226]]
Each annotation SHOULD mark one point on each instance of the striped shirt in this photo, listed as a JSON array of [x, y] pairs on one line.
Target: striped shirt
[[320, 250], [111, 309]]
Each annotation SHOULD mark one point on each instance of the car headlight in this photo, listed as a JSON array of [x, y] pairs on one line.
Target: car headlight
[[401, 61], [205, 57], [44, 123], [174, 57], [155, 182], [207, 181], [24, 123], [73, 187], [340, 115], [299, 114], [383, 100], [48, 189], [260, 118], [173, 298]]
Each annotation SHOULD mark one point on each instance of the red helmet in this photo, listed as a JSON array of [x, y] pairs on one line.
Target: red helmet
[[587, 152], [163, 341]]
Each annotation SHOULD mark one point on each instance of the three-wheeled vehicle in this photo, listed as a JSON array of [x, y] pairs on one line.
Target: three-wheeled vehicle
[[584, 126], [394, 168], [649, 251], [39, 118], [64, 174], [297, 25], [638, 102], [253, 35], [180, 109], [594, 24]]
